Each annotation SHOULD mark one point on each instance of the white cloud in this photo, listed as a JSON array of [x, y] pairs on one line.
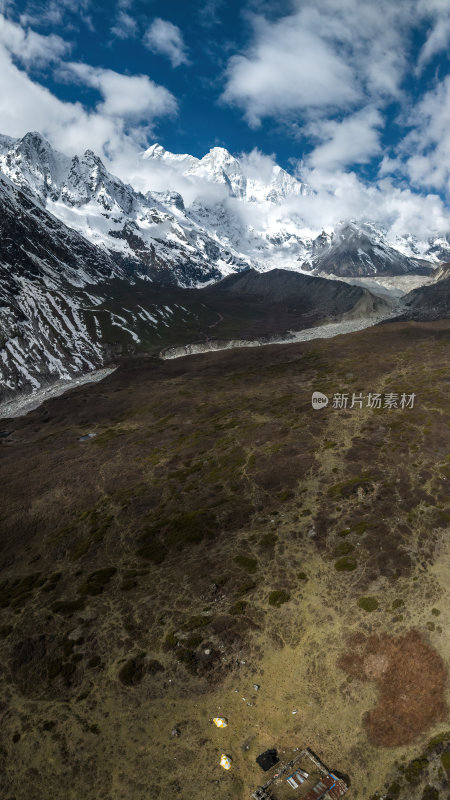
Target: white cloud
[[125, 27], [31, 47], [426, 149], [54, 12], [438, 39], [119, 126], [288, 68], [165, 38], [354, 140], [339, 196], [258, 165], [126, 96], [208, 13], [353, 59], [321, 57]]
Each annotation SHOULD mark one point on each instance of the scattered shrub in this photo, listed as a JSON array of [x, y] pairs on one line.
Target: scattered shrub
[[445, 760], [246, 587], [248, 563], [133, 670], [197, 621], [238, 608], [194, 641], [415, 768], [128, 584], [430, 793], [171, 641], [368, 603], [97, 581], [68, 607], [394, 790], [345, 564], [278, 597], [269, 540]]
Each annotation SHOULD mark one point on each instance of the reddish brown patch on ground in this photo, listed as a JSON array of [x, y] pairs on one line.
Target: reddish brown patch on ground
[[411, 677]]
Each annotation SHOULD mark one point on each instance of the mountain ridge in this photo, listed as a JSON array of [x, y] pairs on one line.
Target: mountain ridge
[[203, 239]]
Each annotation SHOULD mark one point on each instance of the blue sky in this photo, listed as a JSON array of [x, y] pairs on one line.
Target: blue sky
[[350, 91]]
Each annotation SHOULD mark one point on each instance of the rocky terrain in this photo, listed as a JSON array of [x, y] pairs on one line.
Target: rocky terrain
[[431, 301]]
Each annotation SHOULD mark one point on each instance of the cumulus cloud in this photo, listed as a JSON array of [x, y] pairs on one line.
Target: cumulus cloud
[[117, 128], [426, 149], [342, 195], [353, 140], [330, 68], [165, 38], [319, 58], [125, 26], [257, 165], [127, 96], [278, 75], [31, 47], [438, 38], [55, 12]]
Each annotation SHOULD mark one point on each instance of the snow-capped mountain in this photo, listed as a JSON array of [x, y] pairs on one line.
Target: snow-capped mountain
[[357, 250], [219, 166], [45, 269], [65, 304], [78, 247], [167, 238]]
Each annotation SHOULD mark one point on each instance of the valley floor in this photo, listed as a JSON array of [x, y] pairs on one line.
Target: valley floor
[[219, 534]]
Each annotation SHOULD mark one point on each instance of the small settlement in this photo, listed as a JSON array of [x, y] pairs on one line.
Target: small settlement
[[303, 778]]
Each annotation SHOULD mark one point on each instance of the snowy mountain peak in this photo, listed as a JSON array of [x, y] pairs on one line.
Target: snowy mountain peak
[[221, 167], [159, 154], [220, 155], [200, 235], [88, 180], [155, 151], [34, 165]]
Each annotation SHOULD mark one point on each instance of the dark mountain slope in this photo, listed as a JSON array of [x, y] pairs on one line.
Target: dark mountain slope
[[45, 268], [359, 250], [432, 301]]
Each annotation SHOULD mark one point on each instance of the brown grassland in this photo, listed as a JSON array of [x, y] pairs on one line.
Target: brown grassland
[[218, 533]]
